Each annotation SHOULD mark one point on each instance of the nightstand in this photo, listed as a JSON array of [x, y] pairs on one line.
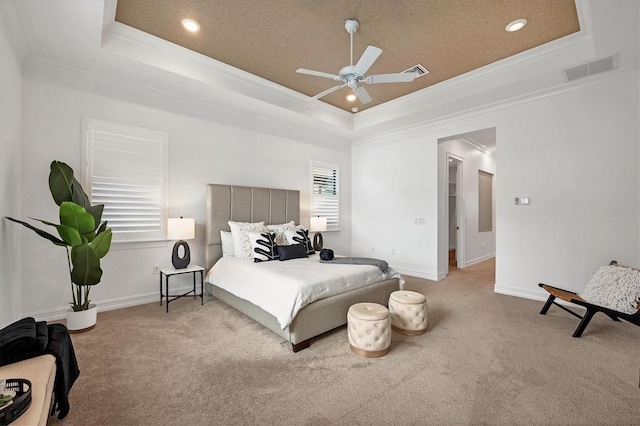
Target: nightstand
[[168, 272]]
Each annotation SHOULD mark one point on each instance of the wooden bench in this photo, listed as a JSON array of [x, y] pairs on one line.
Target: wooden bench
[[592, 309]]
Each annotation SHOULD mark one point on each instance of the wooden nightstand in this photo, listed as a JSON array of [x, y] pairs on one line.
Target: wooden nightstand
[[191, 269]]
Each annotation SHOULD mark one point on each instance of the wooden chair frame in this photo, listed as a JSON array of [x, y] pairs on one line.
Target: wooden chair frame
[[592, 309]]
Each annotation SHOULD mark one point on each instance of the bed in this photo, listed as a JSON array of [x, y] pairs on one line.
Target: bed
[[226, 203]]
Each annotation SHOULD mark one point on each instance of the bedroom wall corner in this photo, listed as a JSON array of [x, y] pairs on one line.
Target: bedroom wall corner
[[10, 177]]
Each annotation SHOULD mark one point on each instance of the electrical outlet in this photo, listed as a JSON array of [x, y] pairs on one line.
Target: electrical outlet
[[393, 251], [373, 250], [156, 270]]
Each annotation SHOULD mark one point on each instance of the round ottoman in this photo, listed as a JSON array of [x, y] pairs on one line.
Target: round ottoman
[[408, 311], [369, 329]]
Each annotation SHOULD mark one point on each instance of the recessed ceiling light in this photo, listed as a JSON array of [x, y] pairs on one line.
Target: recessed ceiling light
[[516, 25], [190, 25], [351, 97]]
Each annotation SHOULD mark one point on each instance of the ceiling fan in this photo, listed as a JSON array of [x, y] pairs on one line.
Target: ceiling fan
[[352, 75]]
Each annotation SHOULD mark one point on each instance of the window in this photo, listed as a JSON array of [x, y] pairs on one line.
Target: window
[[325, 195], [485, 201], [126, 170]]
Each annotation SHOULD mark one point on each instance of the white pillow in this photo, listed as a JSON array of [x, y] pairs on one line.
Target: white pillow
[[264, 247], [280, 231], [614, 287], [227, 244], [300, 235], [240, 234]]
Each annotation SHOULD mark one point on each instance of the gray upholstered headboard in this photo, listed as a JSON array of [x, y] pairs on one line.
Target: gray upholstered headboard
[[245, 204]]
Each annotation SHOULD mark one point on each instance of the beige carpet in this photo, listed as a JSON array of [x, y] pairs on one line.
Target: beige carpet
[[485, 359]]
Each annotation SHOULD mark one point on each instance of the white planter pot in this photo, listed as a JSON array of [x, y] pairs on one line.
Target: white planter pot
[[80, 321]]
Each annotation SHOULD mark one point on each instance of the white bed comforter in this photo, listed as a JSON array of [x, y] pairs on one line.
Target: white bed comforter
[[283, 288]]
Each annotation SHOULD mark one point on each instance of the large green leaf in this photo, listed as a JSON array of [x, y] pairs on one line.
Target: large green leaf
[[70, 235], [96, 212], [78, 195], [75, 216], [102, 243], [43, 234], [102, 227], [61, 182], [86, 265]]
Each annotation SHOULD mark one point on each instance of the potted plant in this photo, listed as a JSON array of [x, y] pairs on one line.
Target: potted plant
[[84, 236]]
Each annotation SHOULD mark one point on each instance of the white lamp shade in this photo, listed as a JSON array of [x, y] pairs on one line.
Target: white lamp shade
[[181, 228], [318, 224]]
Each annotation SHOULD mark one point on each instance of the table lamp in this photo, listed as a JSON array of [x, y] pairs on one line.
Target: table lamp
[[181, 229], [318, 224]]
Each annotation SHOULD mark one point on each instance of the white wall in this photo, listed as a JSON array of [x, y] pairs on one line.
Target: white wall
[[478, 246], [394, 183], [10, 179], [201, 151], [574, 152]]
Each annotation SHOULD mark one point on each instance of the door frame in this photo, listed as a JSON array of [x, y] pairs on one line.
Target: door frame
[[460, 216]]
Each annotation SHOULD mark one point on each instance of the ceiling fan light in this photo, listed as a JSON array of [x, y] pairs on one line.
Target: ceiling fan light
[[190, 25], [516, 25], [351, 97]]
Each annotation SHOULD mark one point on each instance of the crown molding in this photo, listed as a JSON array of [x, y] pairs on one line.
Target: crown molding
[[12, 20], [192, 98], [124, 41], [631, 73], [560, 53]]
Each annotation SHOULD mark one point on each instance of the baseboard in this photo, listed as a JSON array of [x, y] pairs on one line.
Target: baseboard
[[479, 259], [105, 305], [540, 296], [416, 273]]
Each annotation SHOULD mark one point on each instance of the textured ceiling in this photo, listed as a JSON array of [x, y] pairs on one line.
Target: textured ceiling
[[272, 39]]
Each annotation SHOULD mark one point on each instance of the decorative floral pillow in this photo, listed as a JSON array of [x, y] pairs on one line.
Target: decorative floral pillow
[[241, 242], [281, 230], [300, 235], [264, 246]]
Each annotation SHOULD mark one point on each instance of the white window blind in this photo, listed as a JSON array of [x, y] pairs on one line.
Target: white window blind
[[126, 170], [326, 193]]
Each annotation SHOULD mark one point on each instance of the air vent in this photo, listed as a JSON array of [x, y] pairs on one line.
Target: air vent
[[591, 68], [419, 70]]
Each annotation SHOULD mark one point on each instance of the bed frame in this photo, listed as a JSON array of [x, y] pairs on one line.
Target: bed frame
[[274, 206]]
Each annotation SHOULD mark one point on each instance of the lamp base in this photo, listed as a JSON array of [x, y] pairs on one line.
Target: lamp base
[[181, 262], [317, 242]]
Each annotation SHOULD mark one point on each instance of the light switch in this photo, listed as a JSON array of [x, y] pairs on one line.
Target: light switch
[[524, 201]]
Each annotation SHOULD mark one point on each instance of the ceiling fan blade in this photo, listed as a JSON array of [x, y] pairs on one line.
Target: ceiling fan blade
[[391, 78], [318, 74], [367, 59], [326, 92], [362, 94]]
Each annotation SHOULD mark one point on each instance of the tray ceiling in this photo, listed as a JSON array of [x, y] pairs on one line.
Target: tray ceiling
[[271, 39]]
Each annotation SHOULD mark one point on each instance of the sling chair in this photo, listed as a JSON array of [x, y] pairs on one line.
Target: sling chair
[[592, 309]]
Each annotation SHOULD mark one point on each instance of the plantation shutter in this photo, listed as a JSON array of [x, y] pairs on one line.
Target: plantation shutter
[[326, 193], [125, 169]]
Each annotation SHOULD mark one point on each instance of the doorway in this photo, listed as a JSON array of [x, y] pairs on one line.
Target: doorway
[[464, 238], [455, 211]]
